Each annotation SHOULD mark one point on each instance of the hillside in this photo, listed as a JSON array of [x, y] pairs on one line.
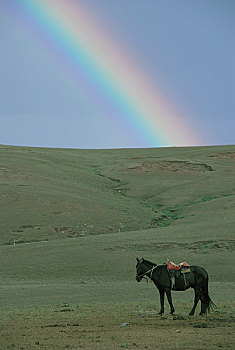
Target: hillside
[[49, 194], [54, 193], [74, 221]]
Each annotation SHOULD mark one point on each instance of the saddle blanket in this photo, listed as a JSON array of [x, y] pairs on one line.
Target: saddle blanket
[[172, 266]]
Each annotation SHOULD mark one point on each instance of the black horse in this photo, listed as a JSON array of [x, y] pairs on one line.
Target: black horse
[[197, 279]]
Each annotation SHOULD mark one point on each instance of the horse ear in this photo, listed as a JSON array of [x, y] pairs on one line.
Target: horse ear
[[137, 260]]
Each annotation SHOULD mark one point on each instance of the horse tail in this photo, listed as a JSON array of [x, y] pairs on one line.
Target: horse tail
[[205, 294]]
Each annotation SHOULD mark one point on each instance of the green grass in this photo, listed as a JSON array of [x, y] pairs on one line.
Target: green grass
[[114, 326], [51, 194], [74, 221]]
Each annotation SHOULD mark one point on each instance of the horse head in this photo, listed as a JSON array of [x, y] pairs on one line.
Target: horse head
[[139, 269]]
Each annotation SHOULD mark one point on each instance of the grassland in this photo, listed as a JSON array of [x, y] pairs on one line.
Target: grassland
[[73, 223]]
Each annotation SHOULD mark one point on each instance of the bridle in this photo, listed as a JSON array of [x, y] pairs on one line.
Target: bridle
[[143, 275]]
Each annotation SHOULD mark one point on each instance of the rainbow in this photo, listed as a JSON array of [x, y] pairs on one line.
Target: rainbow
[[86, 47]]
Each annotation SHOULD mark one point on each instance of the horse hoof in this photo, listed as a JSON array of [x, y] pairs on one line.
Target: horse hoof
[[190, 314]]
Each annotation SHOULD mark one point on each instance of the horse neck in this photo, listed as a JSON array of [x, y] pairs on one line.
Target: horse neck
[[148, 265], [156, 272]]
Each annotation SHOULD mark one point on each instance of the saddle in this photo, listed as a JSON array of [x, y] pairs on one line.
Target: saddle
[[175, 271], [173, 266]]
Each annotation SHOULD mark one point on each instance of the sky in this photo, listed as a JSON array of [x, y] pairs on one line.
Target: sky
[[117, 74]]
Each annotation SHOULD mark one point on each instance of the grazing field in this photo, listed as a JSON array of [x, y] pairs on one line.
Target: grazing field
[[114, 326], [74, 221]]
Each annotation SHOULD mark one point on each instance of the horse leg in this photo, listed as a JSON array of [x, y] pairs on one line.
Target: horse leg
[[203, 306], [205, 299], [169, 298], [196, 300], [161, 292]]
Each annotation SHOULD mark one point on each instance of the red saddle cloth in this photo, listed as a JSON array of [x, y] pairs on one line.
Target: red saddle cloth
[[172, 266]]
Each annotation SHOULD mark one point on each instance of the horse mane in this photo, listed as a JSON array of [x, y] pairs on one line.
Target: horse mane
[[149, 262]]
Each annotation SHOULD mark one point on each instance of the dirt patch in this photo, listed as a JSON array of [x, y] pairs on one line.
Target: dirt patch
[[197, 247], [223, 155], [170, 166]]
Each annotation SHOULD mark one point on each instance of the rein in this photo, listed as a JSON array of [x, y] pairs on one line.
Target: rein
[[151, 270]]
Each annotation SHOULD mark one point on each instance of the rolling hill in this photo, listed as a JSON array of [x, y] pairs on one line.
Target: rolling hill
[[49, 194], [74, 221]]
